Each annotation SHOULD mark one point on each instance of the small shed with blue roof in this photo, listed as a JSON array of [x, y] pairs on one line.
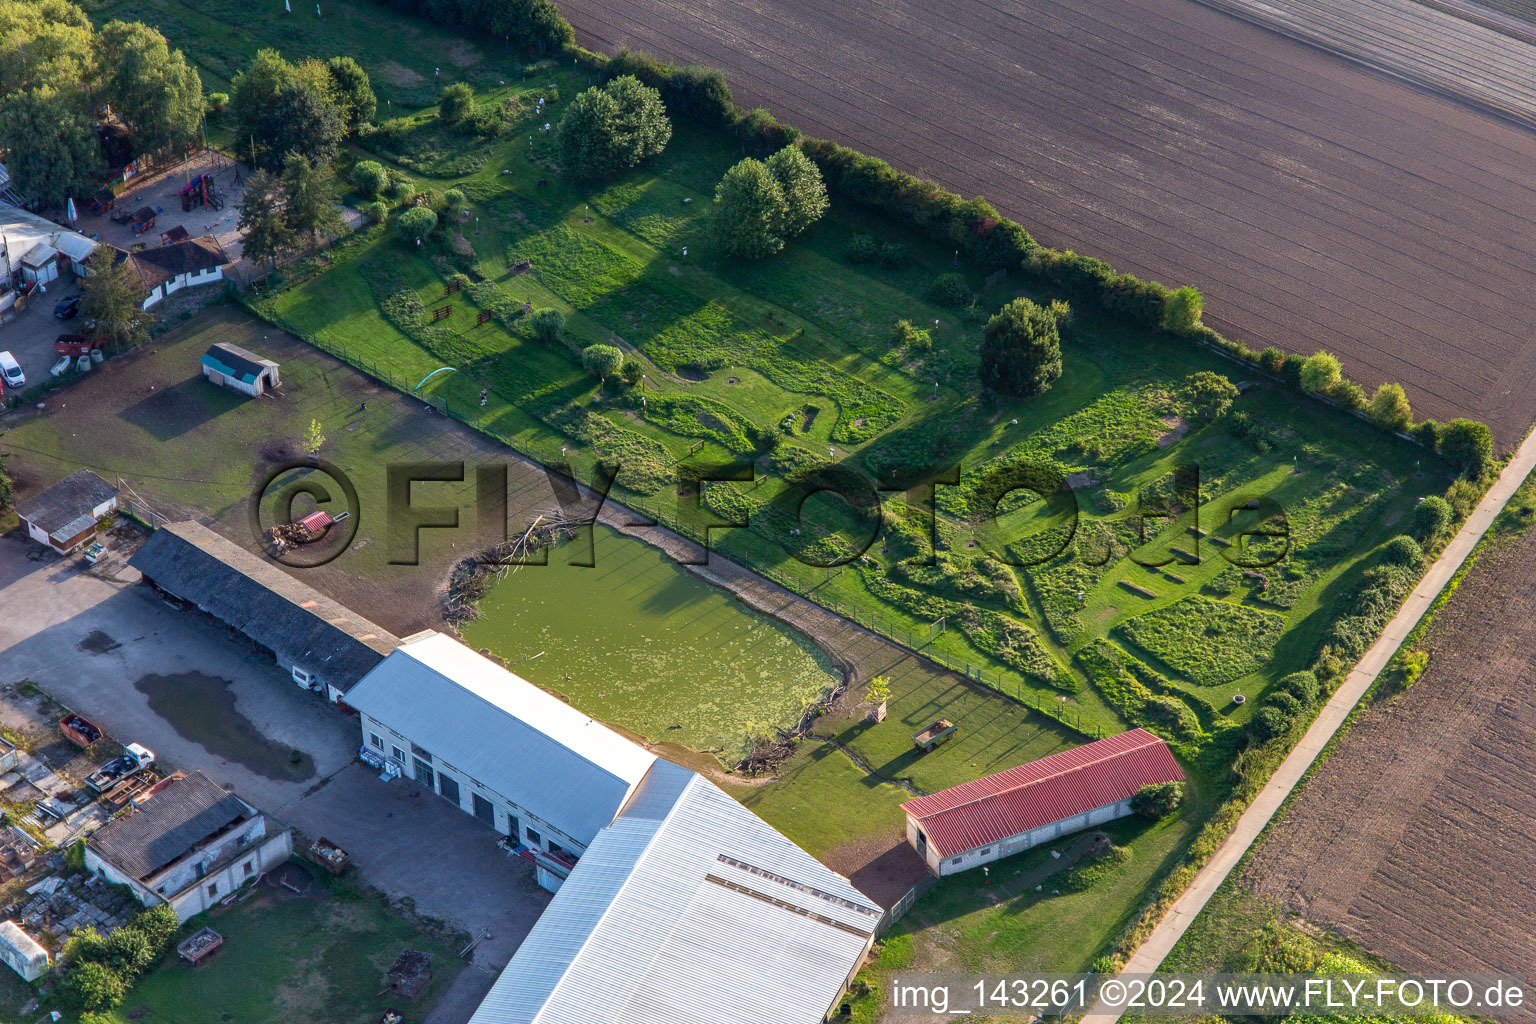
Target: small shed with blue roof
[[235, 368]]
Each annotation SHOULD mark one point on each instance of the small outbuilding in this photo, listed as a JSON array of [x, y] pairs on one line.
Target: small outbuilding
[[191, 845], [238, 369], [21, 952], [410, 974], [998, 816], [66, 515], [166, 269]]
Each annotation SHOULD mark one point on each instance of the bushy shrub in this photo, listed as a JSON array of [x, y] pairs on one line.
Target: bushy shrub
[[1268, 723], [547, 324], [1402, 550], [1432, 515], [1271, 360], [949, 290], [375, 211], [217, 101], [1463, 496], [1181, 309], [1427, 434], [1468, 446], [602, 360], [863, 249], [631, 371], [1205, 395], [1021, 349], [1156, 801], [370, 178], [912, 338], [1389, 408], [1301, 685], [400, 191], [1348, 394], [416, 223], [92, 985], [1320, 373], [1286, 702], [456, 102]]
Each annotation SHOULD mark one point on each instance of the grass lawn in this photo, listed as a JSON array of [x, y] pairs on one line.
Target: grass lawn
[[288, 958], [822, 800]]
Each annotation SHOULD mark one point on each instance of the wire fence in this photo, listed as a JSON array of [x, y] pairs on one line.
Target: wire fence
[[902, 632]]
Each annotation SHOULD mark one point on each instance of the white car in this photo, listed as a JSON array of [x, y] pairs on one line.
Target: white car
[[10, 370], [61, 367]]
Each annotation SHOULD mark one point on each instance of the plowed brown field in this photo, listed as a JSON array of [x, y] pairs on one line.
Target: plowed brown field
[[1417, 837], [1316, 203]]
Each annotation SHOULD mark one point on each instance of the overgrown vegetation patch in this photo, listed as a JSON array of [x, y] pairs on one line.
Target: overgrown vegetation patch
[[1209, 642]]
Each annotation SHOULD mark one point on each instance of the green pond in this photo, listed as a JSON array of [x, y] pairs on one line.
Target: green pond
[[638, 641]]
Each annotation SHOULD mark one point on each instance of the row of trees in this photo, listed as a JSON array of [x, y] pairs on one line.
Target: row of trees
[[311, 107], [57, 71]]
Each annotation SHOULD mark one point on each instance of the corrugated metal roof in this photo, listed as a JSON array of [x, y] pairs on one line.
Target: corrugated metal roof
[[176, 821], [688, 909], [258, 598], [66, 501], [1074, 781], [504, 732]]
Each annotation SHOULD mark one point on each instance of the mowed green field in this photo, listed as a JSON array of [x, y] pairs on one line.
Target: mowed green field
[[288, 958]]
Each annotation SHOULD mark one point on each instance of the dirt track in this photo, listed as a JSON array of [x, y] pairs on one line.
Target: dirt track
[[1418, 836], [1316, 203]]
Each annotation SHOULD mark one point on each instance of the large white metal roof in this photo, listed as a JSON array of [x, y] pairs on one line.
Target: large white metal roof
[[688, 909], [503, 732]]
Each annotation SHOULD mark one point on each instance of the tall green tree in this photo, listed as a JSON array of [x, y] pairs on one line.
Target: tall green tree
[[1021, 349], [309, 194], [353, 92], [279, 108], [1321, 373], [7, 489], [805, 194], [264, 219], [44, 42], [1206, 395], [612, 126], [149, 85], [50, 144], [111, 298], [1389, 407], [749, 210]]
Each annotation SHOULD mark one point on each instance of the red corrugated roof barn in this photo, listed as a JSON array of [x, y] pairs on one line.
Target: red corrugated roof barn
[[1003, 814]]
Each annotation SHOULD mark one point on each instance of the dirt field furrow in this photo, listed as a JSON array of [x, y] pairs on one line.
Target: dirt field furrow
[[1418, 835], [1315, 203]]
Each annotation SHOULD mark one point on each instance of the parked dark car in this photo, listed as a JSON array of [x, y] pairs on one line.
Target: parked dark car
[[67, 308]]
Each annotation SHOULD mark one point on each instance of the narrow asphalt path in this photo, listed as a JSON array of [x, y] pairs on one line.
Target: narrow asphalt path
[[1182, 914]]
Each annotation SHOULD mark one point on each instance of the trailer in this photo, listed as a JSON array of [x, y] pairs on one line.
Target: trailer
[[109, 775], [130, 789], [199, 946], [329, 856], [937, 733], [79, 730]]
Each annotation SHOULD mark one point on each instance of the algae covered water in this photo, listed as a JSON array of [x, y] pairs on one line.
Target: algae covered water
[[639, 642]]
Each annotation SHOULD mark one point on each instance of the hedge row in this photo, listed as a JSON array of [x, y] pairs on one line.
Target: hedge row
[[535, 24]]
